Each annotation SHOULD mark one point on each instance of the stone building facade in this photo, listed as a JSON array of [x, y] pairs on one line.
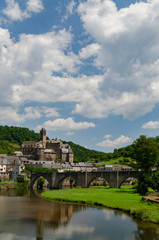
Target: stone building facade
[[48, 150]]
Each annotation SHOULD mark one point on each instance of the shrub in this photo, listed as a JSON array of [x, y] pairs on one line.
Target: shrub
[[40, 182], [21, 182], [40, 170], [126, 160], [150, 190]]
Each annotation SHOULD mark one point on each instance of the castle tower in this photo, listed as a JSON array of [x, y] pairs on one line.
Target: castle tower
[[43, 136]]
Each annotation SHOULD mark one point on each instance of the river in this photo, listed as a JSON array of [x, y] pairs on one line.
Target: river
[[26, 216]]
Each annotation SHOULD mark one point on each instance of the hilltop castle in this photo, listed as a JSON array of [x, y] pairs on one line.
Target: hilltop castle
[[48, 150]]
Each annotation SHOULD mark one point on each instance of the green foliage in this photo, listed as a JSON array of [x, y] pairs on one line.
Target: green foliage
[[21, 182], [82, 154], [0, 179], [116, 161], [8, 148], [146, 153], [17, 134], [12, 137], [40, 182], [123, 152], [71, 180], [70, 171], [40, 170], [155, 180], [150, 190]]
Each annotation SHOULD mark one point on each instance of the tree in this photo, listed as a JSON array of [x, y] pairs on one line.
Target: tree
[[146, 154]]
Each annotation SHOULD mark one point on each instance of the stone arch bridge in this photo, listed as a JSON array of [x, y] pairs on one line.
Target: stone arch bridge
[[83, 179]]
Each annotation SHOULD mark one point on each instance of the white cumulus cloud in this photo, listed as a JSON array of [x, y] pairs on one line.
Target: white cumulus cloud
[[114, 143], [26, 63], [10, 115], [151, 125], [128, 40], [35, 6], [89, 51], [65, 125], [70, 8], [14, 12], [49, 112]]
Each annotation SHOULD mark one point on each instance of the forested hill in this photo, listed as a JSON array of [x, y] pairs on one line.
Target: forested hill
[[11, 139], [83, 154], [17, 134]]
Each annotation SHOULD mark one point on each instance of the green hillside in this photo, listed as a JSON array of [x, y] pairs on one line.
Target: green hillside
[[11, 138], [82, 154], [17, 134], [8, 148]]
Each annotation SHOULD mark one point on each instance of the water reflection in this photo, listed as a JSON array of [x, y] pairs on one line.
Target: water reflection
[[147, 233], [30, 217], [32, 213]]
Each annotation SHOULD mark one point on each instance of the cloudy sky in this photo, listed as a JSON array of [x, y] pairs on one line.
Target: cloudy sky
[[86, 70]]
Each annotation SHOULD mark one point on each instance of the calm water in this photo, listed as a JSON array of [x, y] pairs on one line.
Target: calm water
[[28, 217]]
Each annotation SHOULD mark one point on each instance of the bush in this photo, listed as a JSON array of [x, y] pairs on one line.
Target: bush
[[126, 160], [0, 179], [21, 182], [150, 190], [40, 182], [138, 212], [40, 170]]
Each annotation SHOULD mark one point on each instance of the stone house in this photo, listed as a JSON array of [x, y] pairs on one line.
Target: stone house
[[10, 167], [3, 165]]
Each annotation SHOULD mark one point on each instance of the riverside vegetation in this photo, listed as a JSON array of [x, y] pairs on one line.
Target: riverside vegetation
[[126, 199]]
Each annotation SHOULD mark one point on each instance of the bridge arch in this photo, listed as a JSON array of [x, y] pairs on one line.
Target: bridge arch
[[131, 179], [66, 181], [95, 175], [98, 181], [123, 176], [36, 176]]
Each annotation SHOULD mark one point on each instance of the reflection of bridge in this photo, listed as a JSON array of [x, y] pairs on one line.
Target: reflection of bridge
[[83, 179]]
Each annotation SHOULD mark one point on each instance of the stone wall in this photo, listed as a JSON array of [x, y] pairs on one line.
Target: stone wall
[[55, 145]]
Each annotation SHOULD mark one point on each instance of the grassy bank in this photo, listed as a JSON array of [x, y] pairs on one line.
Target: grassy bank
[[125, 199], [6, 185]]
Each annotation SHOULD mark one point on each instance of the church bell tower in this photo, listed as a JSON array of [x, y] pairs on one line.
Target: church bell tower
[[43, 136]]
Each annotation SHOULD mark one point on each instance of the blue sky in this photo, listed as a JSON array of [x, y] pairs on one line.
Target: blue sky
[[86, 70]]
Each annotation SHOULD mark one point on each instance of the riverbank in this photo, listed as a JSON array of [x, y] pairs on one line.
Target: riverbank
[[7, 185], [13, 185], [125, 199]]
